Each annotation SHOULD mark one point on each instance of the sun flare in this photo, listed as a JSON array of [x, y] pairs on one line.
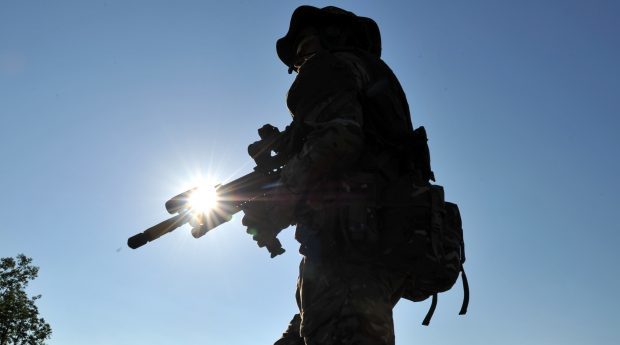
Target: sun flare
[[203, 200]]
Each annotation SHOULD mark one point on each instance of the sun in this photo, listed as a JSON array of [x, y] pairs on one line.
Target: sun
[[203, 199]]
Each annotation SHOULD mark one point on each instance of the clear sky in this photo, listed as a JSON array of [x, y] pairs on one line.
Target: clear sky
[[108, 108]]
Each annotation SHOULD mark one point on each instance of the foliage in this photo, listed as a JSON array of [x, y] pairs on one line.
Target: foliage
[[19, 316]]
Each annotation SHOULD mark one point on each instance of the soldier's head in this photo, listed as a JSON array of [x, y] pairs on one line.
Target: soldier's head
[[332, 28]]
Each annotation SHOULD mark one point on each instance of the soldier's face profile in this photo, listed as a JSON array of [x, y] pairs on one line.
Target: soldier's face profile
[[308, 44]]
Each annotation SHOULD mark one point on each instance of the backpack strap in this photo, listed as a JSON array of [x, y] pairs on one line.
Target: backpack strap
[[465, 292], [464, 279], [431, 311]]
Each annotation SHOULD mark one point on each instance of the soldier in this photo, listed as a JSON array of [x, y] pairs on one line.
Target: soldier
[[355, 119]]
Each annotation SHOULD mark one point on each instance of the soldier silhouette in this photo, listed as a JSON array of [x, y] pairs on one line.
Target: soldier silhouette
[[356, 126]]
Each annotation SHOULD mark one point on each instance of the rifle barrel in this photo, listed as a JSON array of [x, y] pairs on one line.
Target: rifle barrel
[[233, 197], [156, 231]]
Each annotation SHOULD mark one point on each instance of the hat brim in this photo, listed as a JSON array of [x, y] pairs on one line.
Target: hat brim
[[305, 16], [302, 17]]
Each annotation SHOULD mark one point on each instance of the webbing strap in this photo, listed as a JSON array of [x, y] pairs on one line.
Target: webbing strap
[[431, 311], [465, 292]]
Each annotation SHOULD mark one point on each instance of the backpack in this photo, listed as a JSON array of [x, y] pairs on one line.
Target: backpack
[[425, 232]]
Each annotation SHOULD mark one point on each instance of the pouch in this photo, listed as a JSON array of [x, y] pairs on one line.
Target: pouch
[[358, 215]]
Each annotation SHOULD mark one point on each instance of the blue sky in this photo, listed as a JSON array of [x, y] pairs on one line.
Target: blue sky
[[108, 108]]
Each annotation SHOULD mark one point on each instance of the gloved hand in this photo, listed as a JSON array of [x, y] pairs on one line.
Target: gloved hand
[[265, 218]]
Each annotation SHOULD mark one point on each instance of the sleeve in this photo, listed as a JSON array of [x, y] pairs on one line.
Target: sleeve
[[325, 97]]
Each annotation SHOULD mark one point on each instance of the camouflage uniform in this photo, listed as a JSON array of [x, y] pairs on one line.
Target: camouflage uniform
[[346, 288]]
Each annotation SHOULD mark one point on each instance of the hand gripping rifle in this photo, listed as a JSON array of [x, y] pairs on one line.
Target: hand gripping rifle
[[233, 196]]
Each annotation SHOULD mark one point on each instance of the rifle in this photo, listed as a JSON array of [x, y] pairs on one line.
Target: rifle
[[233, 196]]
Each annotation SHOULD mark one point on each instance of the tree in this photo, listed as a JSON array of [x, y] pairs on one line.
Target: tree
[[19, 316]]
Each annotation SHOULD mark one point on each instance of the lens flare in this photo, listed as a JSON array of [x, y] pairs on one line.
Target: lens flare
[[203, 200]]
